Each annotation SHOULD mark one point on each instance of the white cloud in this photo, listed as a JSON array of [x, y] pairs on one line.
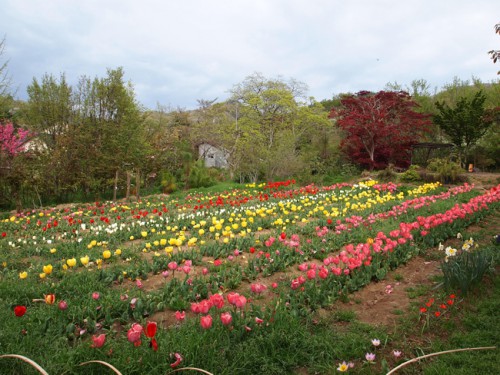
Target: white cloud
[[176, 52]]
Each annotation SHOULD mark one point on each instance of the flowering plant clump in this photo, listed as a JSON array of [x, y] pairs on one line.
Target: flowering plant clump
[[436, 309], [228, 263], [466, 266]]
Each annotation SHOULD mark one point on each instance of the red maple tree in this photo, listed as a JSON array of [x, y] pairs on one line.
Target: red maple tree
[[380, 128]]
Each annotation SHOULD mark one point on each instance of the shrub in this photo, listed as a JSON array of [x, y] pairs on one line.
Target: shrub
[[411, 175], [200, 176], [448, 172], [168, 182], [387, 174]]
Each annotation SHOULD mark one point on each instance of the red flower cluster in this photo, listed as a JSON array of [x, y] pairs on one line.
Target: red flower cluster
[[135, 332], [431, 306]]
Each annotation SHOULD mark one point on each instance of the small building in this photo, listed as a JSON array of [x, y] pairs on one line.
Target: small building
[[214, 157]]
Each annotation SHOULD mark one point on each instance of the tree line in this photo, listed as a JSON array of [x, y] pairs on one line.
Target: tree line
[[94, 140]]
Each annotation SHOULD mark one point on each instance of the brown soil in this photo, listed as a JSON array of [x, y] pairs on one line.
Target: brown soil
[[484, 180], [382, 303]]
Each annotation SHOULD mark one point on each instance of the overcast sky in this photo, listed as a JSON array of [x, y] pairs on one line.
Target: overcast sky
[[175, 52]]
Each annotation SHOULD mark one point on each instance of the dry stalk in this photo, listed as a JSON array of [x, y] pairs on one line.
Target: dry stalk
[[105, 364], [435, 354], [194, 369], [27, 360]]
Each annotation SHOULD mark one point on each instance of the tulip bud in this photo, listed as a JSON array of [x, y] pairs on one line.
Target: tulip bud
[[63, 305], [50, 299]]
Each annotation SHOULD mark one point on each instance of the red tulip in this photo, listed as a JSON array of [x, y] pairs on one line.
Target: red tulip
[[153, 344], [98, 341], [151, 329], [20, 310]]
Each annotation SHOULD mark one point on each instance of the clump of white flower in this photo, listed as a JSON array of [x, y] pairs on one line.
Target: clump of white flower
[[450, 251]]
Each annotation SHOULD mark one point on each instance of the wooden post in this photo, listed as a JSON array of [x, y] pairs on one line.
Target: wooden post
[[137, 183], [127, 194], [115, 187]]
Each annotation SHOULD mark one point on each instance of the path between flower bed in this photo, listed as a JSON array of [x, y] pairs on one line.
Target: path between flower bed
[[382, 303], [375, 306]]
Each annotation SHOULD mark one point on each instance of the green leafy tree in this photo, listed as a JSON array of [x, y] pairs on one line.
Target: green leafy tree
[[273, 122], [465, 123], [110, 122], [48, 113]]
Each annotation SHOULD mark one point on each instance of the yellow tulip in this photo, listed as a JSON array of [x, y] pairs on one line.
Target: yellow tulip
[[118, 252], [84, 260], [71, 262], [42, 275], [106, 254], [144, 234], [47, 269], [53, 251], [23, 275]]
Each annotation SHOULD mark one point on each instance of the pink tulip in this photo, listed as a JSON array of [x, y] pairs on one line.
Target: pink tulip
[[311, 274], [134, 334], [240, 302], [206, 321], [178, 360], [323, 273], [217, 300], [180, 315], [226, 318], [172, 266], [258, 288], [303, 267], [96, 295]]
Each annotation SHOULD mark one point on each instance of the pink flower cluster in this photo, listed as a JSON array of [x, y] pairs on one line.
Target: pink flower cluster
[[355, 256]]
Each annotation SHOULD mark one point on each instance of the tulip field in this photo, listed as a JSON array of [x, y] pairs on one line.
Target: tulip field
[[225, 282]]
